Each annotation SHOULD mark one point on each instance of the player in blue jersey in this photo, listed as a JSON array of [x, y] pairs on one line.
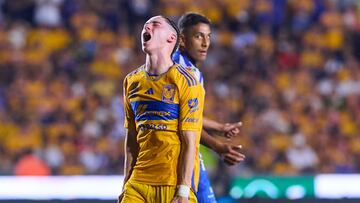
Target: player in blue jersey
[[194, 43]]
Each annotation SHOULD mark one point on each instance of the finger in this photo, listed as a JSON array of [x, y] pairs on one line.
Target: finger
[[236, 125], [230, 159], [229, 127], [235, 130], [236, 147], [234, 158], [235, 154], [232, 133], [229, 134], [229, 162], [239, 124], [231, 149]]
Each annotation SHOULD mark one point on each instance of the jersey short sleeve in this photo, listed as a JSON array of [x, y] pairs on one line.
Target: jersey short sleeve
[[191, 101], [129, 114]]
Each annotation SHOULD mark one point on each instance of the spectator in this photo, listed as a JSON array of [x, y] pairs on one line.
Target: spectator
[[30, 165], [301, 156]]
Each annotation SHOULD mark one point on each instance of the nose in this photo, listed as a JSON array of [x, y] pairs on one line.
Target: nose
[[205, 42], [147, 27]]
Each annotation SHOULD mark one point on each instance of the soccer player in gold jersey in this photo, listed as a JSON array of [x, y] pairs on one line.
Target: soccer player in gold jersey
[[163, 106]]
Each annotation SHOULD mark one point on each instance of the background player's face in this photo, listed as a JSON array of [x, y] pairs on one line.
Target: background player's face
[[155, 34], [196, 41]]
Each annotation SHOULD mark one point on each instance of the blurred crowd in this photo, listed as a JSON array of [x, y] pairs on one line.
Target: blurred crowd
[[288, 69]]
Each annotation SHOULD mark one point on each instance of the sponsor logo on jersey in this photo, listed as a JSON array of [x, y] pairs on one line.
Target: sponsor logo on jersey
[[191, 120], [193, 104], [142, 110], [152, 126]]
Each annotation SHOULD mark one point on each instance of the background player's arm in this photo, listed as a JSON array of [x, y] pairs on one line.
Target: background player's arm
[[211, 124], [229, 129], [228, 152], [209, 141]]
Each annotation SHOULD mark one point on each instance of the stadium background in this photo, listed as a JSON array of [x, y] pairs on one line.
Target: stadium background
[[288, 69]]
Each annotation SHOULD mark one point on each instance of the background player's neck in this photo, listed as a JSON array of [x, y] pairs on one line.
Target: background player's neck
[[157, 64], [192, 60]]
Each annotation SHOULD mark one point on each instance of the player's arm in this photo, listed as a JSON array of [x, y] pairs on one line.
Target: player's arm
[[186, 166], [187, 157], [131, 145], [214, 125], [228, 152], [209, 141], [131, 153], [229, 129], [191, 103]]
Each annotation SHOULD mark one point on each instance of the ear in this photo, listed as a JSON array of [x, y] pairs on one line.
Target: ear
[[182, 40], [172, 38]]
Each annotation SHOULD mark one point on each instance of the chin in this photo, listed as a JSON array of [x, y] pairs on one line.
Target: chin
[[200, 58]]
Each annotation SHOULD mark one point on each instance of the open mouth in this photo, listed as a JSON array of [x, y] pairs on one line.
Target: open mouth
[[146, 36]]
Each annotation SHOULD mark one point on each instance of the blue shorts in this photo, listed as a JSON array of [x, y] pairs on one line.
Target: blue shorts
[[205, 193]]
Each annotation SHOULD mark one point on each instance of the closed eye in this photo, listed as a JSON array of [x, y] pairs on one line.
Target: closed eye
[[156, 23]]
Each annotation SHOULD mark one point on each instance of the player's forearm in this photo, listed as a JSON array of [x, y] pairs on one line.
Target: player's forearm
[[128, 166], [187, 157], [211, 124], [131, 152], [209, 141]]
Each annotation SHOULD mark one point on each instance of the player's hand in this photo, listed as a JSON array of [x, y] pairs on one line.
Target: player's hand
[[178, 199], [231, 129], [231, 154]]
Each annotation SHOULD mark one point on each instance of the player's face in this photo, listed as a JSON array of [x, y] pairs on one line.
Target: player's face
[[155, 33], [196, 41]]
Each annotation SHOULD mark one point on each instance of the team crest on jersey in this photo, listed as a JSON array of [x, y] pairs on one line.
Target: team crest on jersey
[[168, 93]]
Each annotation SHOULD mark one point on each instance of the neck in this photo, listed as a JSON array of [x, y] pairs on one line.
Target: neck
[[184, 53], [157, 64]]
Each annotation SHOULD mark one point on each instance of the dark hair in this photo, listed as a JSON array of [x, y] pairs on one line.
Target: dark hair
[[173, 24], [190, 19]]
